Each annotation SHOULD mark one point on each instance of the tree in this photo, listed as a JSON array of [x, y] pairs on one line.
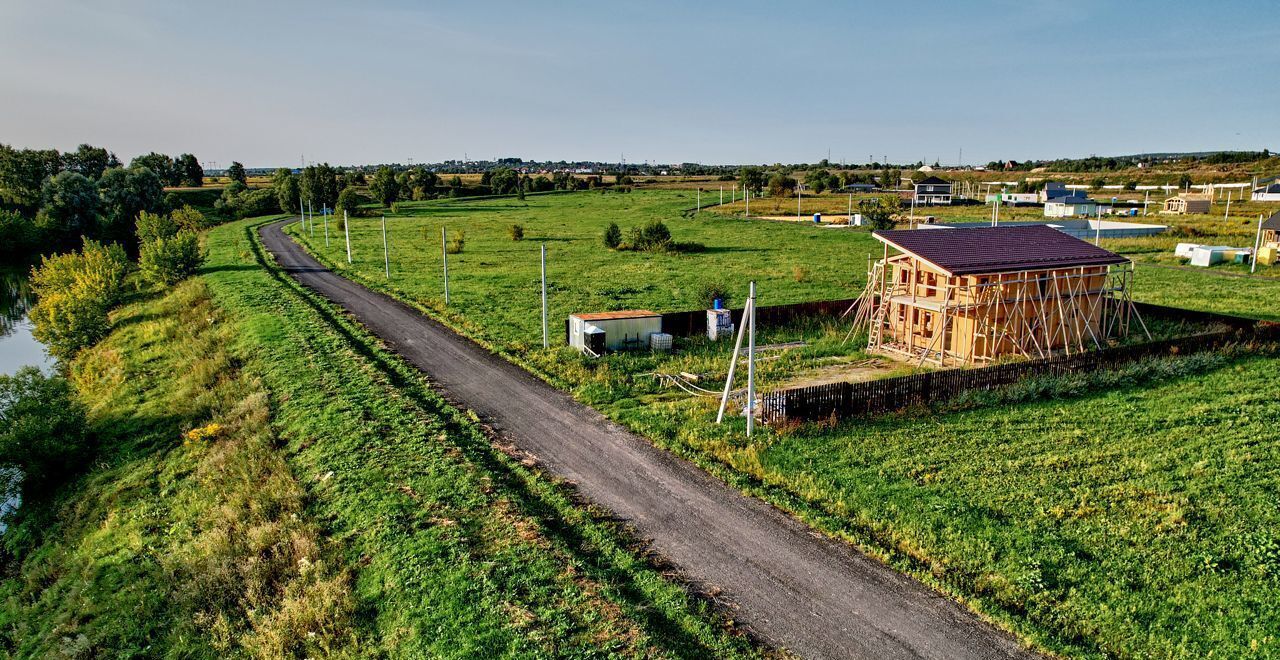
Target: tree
[[69, 208], [288, 190], [781, 185], [163, 166], [42, 429], [752, 179], [612, 236], [74, 292], [22, 175], [349, 201], [384, 187], [18, 235], [504, 181], [125, 193], [819, 180], [170, 259], [879, 212], [190, 172], [236, 172], [87, 160], [516, 232]]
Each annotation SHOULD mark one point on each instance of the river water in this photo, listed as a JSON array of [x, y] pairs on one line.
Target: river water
[[18, 348]]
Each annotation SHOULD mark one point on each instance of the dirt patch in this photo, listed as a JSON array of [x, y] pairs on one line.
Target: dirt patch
[[854, 371]]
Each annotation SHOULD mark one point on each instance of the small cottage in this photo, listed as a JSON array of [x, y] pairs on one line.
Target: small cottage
[[1187, 203]]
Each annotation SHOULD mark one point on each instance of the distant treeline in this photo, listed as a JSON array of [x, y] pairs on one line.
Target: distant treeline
[[1102, 164]]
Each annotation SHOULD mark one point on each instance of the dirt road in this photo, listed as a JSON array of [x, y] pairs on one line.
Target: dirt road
[[796, 589]]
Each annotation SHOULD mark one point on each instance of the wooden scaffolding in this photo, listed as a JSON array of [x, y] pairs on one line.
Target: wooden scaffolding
[[913, 311]]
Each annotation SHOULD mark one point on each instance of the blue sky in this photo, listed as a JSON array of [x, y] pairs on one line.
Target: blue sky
[[266, 83]]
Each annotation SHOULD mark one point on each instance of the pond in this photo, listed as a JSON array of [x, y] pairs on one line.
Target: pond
[[18, 348]]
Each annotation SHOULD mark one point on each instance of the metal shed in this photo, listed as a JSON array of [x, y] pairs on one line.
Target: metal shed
[[598, 332]]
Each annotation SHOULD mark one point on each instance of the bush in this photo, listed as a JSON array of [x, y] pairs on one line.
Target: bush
[[153, 226], [709, 292], [74, 292], [456, 242], [612, 236], [238, 201], [42, 429], [800, 273], [169, 260], [652, 237], [516, 232]]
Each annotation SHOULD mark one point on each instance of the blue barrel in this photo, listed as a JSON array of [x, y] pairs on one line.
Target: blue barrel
[[817, 218]]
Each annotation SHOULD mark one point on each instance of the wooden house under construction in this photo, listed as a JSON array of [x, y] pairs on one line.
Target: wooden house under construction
[[955, 297]]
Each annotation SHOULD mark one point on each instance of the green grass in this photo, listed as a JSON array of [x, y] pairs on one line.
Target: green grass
[[342, 509], [1133, 520]]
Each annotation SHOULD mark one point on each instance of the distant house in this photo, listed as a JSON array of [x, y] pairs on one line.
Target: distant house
[[1268, 193], [858, 187], [1053, 189], [1186, 203], [1271, 230], [1074, 204], [932, 190]]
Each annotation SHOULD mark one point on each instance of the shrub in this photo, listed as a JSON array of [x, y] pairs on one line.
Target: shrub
[[652, 237], [189, 219], [612, 236], [169, 260], [709, 292], [74, 292], [456, 242], [42, 429], [516, 232], [153, 226]]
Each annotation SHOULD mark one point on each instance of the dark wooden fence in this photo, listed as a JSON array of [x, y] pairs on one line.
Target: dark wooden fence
[[842, 400], [688, 324]]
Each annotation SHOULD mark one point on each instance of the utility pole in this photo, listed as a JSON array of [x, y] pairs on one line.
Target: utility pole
[[746, 197], [1228, 211], [1257, 245], [302, 213], [751, 362], [346, 229], [325, 214], [722, 194], [386, 254], [545, 343], [849, 220], [444, 253], [311, 223], [798, 195], [1146, 200], [699, 209]]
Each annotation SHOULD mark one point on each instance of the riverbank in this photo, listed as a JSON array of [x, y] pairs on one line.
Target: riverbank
[[271, 482]]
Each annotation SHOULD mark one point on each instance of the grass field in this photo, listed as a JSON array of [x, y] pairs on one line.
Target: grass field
[[340, 507], [1131, 521]]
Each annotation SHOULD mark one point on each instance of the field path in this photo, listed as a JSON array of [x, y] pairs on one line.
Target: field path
[[793, 587]]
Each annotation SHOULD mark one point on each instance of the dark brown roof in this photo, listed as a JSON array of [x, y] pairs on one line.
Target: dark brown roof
[[620, 314], [1273, 222], [998, 249]]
